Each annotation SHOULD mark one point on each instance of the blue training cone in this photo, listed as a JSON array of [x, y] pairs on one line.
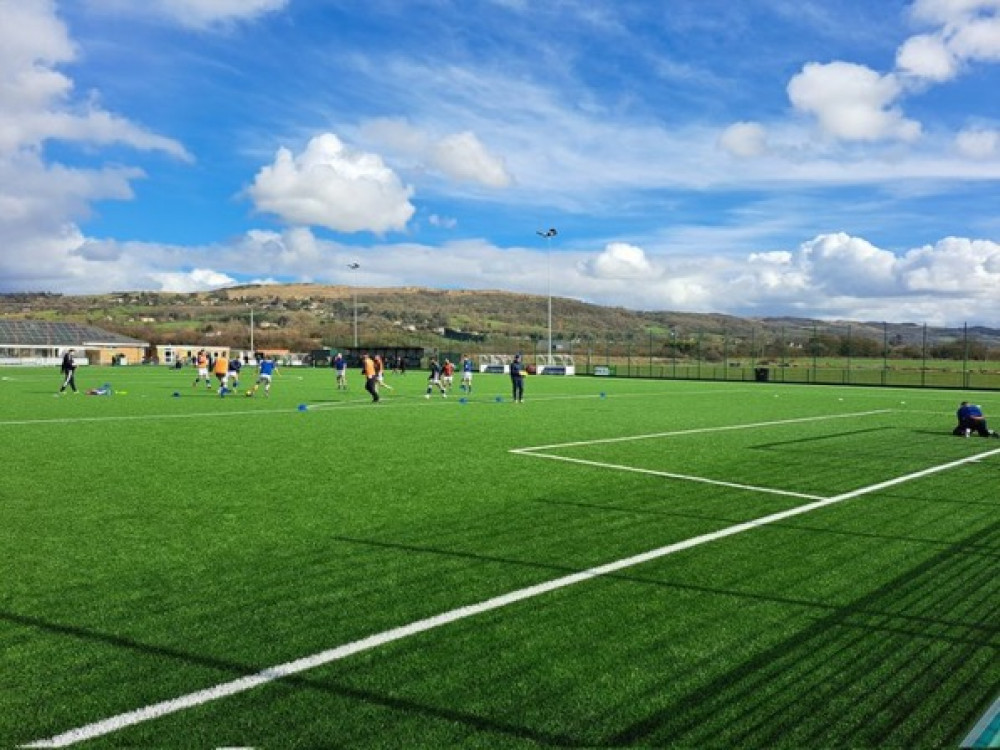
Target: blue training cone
[[499, 399], [303, 407], [177, 394]]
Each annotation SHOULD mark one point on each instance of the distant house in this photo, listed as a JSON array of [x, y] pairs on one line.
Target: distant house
[[41, 342], [172, 354]]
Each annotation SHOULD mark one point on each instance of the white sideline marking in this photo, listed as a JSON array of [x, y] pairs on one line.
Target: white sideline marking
[[271, 674]]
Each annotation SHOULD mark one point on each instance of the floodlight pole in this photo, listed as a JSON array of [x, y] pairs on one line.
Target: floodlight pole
[[251, 332], [354, 286], [548, 234]]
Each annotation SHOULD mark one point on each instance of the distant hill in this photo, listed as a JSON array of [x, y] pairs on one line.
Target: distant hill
[[306, 316]]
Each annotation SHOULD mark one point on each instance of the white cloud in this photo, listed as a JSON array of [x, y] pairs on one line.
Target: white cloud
[[442, 222], [458, 156], [927, 56], [744, 139], [196, 280], [978, 39], [463, 157], [196, 14], [960, 266], [36, 103], [951, 11], [852, 102], [620, 260], [978, 143], [841, 264], [329, 185], [967, 31], [40, 200]]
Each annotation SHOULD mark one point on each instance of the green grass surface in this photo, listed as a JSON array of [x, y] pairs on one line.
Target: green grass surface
[[154, 545]]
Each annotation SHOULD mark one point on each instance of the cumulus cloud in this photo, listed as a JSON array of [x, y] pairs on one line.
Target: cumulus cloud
[[41, 200], [463, 157], [957, 265], [744, 139], [195, 280], [838, 275], [458, 156], [620, 260], [36, 99], [843, 264], [927, 56], [332, 186], [978, 143], [967, 31], [852, 102]]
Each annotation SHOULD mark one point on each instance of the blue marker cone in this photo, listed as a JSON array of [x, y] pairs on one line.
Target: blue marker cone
[[499, 399], [177, 394], [303, 407]]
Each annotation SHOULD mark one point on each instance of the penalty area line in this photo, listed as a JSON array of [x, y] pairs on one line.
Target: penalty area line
[[671, 475], [699, 431], [272, 674]]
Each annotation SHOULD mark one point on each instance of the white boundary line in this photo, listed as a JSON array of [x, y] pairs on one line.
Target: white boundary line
[[536, 452], [670, 475], [978, 733], [699, 430], [271, 674]]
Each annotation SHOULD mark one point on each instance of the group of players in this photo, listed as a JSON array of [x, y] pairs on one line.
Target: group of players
[[441, 375], [227, 372]]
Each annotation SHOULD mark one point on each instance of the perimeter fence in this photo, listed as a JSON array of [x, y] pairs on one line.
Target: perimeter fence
[[864, 355]]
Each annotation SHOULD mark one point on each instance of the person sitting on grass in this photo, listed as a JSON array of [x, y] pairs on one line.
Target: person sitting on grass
[[971, 419]]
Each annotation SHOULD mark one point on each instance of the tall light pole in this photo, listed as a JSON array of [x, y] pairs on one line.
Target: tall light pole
[[354, 267], [548, 234], [251, 333]]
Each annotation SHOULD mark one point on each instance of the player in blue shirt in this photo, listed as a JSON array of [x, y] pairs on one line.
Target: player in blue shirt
[[467, 368], [971, 419], [232, 381], [340, 365], [266, 371]]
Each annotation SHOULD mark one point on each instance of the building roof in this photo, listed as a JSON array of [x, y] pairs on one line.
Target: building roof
[[45, 333]]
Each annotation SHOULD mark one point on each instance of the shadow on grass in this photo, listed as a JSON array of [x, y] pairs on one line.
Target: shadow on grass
[[819, 438], [903, 666], [237, 669], [887, 670]]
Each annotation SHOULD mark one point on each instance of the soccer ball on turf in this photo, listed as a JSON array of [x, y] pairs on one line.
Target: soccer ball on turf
[[249, 394]]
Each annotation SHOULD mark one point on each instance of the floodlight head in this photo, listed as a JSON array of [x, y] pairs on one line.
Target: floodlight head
[[354, 266], [547, 233]]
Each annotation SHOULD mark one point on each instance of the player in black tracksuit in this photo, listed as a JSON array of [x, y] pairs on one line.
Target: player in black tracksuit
[[517, 379], [68, 368]]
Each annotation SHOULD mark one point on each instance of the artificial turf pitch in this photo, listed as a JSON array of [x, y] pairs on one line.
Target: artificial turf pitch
[[158, 547]]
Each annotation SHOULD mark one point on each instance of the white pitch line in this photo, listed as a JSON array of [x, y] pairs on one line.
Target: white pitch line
[[979, 736], [200, 697], [671, 475], [699, 430]]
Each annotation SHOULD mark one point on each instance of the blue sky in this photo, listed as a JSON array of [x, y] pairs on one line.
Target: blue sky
[[836, 159]]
